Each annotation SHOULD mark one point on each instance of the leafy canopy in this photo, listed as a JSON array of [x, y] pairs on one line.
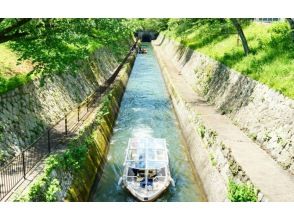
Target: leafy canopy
[[56, 45]]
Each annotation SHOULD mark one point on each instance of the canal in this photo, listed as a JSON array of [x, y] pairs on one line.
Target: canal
[[146, 110]]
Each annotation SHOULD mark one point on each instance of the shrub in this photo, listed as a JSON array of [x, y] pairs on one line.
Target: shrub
[[36, 192], [53, 189], [47, 187], [241, 192]]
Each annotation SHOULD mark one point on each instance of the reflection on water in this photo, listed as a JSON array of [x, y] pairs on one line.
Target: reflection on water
[[146, 110]]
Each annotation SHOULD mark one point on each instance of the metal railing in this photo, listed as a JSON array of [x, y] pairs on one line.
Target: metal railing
[[52, 139]]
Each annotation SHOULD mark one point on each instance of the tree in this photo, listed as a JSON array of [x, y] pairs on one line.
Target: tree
[[55, 45], [241, 35], [291, 23]]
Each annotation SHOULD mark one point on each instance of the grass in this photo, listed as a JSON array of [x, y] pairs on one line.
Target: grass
[[272, 52], [12, 72]]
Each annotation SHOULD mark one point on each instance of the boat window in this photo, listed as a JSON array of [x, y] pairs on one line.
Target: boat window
[[156, 154]]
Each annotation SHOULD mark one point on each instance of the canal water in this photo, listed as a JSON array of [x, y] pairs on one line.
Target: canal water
[[146, 110]]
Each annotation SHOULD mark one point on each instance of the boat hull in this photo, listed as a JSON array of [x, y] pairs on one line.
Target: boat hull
[[144, 198]]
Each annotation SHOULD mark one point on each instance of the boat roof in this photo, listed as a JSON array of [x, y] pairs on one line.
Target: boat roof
[[147, 153]]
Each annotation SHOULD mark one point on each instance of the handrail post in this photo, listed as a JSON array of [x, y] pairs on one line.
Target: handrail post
[[23, 164], [65, 124], [87, 104], [78, 113], [49, 143]]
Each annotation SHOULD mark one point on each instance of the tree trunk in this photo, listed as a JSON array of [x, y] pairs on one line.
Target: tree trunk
[[291, 23], [241, 35]]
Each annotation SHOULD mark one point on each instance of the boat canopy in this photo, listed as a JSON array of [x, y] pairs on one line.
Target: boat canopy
[[146, 153]]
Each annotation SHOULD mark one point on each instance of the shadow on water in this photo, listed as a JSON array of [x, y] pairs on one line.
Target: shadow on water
[[147, 111]]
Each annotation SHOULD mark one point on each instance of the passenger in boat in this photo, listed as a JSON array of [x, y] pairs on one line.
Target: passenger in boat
[[141, 163], [143, 182]]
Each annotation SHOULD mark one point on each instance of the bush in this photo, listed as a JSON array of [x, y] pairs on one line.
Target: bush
[[47, 187], [241, 192]]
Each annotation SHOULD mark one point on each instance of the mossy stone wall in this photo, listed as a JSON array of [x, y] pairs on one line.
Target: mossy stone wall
[[84, 179]]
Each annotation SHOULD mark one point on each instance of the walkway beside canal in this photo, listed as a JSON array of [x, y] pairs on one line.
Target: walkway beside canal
[[274, 182]]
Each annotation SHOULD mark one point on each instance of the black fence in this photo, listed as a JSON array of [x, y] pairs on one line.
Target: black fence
[[52, 139]]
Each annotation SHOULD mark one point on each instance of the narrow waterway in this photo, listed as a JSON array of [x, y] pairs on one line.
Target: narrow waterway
[[146, 110]]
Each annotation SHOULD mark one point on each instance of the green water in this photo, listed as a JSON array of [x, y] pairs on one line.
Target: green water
[[146, 110]]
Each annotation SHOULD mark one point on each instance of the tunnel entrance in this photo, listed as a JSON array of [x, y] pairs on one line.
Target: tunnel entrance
[[146, 36]]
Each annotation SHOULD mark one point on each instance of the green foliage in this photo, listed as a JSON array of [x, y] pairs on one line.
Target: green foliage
[[272, 50], [47, 187], [58, 45], [201, 130], [53, 189], [13, 82], [148, 24], [36, 192], [71, 160], [105, 107], [241, 192], [2, 157]]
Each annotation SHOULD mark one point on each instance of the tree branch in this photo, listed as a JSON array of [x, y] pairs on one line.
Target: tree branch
[[15, 26], [12, 37]]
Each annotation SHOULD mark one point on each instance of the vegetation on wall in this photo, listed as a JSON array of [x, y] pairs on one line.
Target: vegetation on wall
[[241, 192], [63, 164]]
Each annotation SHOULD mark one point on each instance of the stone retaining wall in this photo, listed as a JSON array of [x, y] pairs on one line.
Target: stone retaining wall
[[75, 185], [83, 181], [26, 111], [266, 116]]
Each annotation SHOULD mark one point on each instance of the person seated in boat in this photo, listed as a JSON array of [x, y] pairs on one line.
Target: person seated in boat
[[141, 163], [143, 182]]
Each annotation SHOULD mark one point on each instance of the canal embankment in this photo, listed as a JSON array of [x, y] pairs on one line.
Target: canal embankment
[[70, 174], [206, 95]]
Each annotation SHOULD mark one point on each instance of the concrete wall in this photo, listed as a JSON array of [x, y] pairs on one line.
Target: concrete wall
[[266, 116], [26, 111]]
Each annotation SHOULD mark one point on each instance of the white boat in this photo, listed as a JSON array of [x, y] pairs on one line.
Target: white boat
[[146, 168]]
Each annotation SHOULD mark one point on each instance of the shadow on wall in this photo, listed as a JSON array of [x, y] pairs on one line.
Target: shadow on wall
[[228, 91]]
